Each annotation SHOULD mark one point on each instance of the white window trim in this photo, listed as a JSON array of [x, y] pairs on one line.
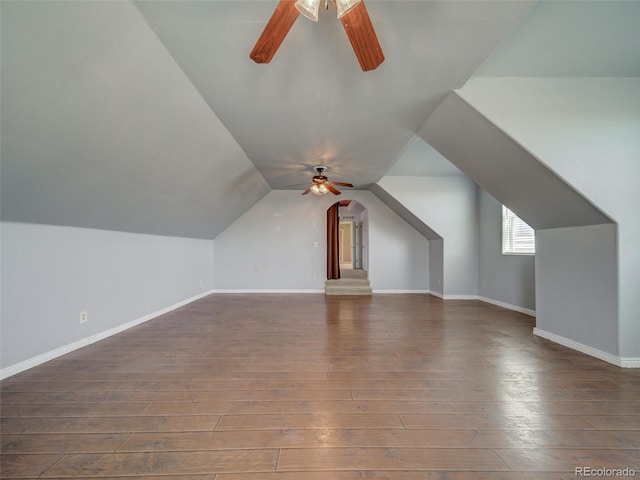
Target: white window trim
[[518, 238]]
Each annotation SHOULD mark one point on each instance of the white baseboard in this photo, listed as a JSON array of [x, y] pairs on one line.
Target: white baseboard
[[58, 352], [446, 296], [460, 297], [630, 362], [516, 308], [593, 352], [498, 303], [44, 357], [245, 290], [390, 290]]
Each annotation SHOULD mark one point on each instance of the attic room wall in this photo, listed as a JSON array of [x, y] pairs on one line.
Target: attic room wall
[[508, 279], [51, 273], [435, 241], [583, 261], [447, 204], [586, 130], [271, 246], [103, 132], [102, 129], [436, 266]]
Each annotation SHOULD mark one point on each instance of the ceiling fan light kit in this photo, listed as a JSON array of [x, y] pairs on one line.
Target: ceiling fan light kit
[[319, 189], [344, 6], [309, 8], [320, 184], [353, 15]]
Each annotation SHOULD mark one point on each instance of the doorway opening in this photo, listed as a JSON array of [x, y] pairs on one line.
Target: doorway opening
[[346, 243], [349, 251]]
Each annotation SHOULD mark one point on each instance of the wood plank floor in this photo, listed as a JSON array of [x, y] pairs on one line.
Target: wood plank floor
[[283, 387]]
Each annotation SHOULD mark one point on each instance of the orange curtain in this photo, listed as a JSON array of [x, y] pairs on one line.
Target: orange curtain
[[333, 243]]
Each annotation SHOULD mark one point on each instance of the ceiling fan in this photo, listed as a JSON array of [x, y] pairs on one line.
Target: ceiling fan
[[353, 15], [320, 184]]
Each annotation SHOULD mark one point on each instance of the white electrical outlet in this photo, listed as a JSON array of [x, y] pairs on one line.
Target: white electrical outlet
[[84, 317]]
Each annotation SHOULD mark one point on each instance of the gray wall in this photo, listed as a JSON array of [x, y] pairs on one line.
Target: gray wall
[[102, 129], [508, 279], [271, 246], [50, 274], [447, 204], [436, 266], [587, 131], [576, 274]]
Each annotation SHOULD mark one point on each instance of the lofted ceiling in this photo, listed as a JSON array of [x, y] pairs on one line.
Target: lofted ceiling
[[421, 159], [312, 104], [148, 116], [571, 39]]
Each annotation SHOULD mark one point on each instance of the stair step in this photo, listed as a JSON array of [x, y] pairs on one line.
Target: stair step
[[348, 286], [349, 273], [348, 291], [347, 281]]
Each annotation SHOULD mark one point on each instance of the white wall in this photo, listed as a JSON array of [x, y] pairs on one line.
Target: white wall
[[508, 279], [271, 246], [588, 131], [50, 274], [446, 204]]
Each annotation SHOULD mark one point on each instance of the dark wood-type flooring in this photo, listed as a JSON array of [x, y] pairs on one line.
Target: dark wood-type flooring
[[283, 387]]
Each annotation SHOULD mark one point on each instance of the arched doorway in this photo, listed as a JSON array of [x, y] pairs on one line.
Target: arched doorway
[[347, 237]]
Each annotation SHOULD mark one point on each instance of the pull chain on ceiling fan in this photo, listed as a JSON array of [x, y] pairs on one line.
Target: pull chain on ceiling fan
[[353, 15]]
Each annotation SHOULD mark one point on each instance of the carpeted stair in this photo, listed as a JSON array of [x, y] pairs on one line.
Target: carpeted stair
[[352, 282]]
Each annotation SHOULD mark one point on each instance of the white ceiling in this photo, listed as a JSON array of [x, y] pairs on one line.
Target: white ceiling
[[101, 129], [596, 38], [312, 104], [148, 116], [421, 159]]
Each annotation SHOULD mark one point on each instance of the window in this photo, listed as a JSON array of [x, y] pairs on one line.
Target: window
[[518, 238]]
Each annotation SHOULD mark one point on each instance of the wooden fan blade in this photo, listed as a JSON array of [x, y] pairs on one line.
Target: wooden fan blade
[[333, 190], [363, 37], [306, 191], [274, 32], [341, 184]]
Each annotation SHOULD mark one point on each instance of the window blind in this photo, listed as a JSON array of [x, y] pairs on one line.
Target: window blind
[[518, 238]]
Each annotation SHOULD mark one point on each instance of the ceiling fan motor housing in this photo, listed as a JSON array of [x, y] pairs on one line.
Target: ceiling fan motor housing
[[320, 177]]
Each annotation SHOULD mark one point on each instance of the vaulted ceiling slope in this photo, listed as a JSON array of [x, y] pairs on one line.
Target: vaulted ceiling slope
[[150, 117], [312, 104], [421, 159], [505, 169], [571, 39], [559, 45], [102, 129]]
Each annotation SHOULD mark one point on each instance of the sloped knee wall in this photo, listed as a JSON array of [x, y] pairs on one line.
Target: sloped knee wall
[[565, 270]]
